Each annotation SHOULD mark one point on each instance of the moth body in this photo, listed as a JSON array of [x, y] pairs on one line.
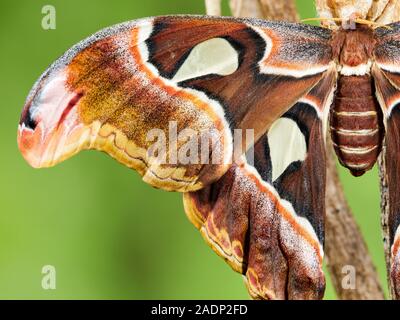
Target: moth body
[[356, 124], [355, 117]]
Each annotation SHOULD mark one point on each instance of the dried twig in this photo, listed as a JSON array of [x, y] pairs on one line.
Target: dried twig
[[213, 7], [345, 247], [246, 8], [344, 243], [385, 216]]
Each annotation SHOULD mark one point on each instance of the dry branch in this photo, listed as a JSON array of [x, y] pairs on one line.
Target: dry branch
[[344, 243], [385, 216], [265, 9], [213, 7]]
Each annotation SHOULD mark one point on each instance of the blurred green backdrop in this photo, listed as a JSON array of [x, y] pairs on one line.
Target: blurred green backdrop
[[108, 234]]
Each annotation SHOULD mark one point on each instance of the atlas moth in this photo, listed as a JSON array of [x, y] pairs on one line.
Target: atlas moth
[[291, 84]]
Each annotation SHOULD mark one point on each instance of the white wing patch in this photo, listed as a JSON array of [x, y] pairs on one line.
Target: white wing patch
[[287, 144], [53, 100], [360, 70], [214, 56]]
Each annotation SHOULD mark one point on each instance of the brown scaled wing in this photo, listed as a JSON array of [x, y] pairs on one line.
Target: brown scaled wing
[[272, 229], [386, 73]]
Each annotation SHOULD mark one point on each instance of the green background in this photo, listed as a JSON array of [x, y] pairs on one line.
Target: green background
[[107, 233]]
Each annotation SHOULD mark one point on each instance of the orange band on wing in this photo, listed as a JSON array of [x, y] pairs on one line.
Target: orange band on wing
[[181, 93]]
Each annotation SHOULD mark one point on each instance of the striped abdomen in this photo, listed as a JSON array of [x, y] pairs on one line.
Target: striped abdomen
[[356, 124]]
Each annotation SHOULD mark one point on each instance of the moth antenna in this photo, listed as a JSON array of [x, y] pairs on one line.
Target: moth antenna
[[322, 20], [372, 24]]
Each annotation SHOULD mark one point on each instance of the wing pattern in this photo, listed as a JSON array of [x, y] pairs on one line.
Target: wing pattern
[[113, 88], [141, 91], [268, 223]]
